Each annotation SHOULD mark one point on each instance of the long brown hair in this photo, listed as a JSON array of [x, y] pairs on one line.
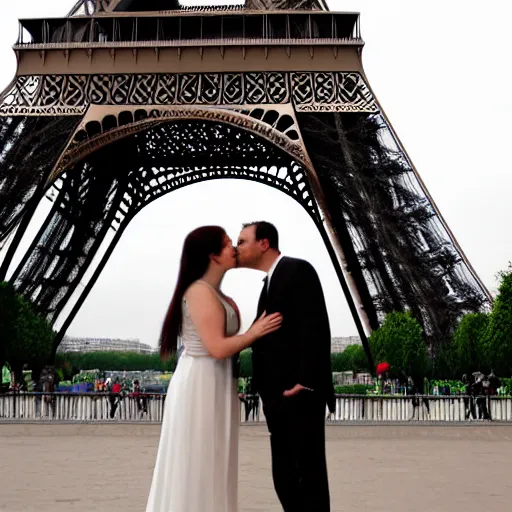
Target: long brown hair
[[199, 245]]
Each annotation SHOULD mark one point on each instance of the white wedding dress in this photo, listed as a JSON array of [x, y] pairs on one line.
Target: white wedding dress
[[196, 467]]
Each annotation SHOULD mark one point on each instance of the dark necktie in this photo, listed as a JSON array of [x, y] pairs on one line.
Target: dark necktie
[[262, 303]]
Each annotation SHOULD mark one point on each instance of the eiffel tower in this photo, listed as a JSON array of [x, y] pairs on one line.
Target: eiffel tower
[[123, 101]]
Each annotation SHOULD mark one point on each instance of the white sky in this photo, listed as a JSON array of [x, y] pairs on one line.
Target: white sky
[[442, 72]]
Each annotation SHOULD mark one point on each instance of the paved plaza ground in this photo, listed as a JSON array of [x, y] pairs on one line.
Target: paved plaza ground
[[66, 468]]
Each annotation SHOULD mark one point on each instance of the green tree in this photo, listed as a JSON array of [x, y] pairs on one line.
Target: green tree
[[9, 309], [340, 362], [399, 342], [73, 362], [246, 363], [499, 332], [445, 362], [25, 336], [469, 344], [356, 358], [352, 359]]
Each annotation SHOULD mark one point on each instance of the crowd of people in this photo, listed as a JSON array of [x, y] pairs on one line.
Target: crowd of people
[[477, 390], [46, 384]]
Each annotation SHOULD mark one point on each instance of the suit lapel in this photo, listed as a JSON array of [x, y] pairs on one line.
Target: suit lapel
[[263, 300]]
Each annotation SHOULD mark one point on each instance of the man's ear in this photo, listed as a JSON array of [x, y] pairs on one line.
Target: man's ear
[[265, 245]]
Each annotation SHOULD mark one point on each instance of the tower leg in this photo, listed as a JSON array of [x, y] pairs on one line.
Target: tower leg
[[87, 289], [348, 297], [32, 205]]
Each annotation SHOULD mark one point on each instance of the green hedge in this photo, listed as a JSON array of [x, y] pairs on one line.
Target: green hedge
[[353, 359], [72, 362], [354, 389]]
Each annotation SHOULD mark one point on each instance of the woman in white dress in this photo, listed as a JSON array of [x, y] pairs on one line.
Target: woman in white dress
[[197, 462]]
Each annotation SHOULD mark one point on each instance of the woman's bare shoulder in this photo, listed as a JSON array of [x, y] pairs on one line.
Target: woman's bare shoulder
[[199, 290], [202, 302]]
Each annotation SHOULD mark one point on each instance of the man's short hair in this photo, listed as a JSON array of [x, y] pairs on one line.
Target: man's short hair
[[265, 231]]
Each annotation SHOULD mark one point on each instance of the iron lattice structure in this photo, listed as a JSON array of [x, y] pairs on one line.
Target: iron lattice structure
[[122, 102]]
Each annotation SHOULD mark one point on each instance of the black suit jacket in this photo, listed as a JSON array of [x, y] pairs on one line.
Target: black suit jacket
[[300, 351]]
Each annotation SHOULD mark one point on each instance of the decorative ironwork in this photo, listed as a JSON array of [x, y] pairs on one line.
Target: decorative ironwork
[[90, 7], [331, 92], [277, 128], [275, 5], [71, 94], [96, 194], [29, 149], [279, 119]]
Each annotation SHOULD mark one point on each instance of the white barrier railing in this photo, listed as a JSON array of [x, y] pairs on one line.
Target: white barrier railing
[[420, 408], [149, 408], [81, 407]]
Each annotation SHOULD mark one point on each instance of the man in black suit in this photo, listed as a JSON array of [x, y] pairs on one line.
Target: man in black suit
[[292, 369]]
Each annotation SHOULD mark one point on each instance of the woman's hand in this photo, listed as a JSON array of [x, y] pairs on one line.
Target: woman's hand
[[266, 324]]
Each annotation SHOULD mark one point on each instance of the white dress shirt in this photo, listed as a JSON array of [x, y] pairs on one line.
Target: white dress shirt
[[271, 270]]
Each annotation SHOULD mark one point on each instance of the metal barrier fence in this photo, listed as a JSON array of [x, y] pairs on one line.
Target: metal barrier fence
[[420, 408], [149, 408]]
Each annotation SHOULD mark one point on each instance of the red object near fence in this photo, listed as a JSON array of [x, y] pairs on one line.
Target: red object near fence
[[382, 368]]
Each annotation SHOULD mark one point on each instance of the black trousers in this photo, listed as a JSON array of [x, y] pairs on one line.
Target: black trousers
[[114, 401], [483, 412], [297, 440], [469, 406], [416, 404]]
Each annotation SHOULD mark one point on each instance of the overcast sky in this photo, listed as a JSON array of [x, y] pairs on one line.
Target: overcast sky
[[442, 72]]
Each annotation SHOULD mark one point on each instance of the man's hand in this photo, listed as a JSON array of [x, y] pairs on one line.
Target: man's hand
[[295, 390]]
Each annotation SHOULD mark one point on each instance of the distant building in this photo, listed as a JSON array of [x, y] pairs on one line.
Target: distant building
[[340, 344], [70, 344]]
